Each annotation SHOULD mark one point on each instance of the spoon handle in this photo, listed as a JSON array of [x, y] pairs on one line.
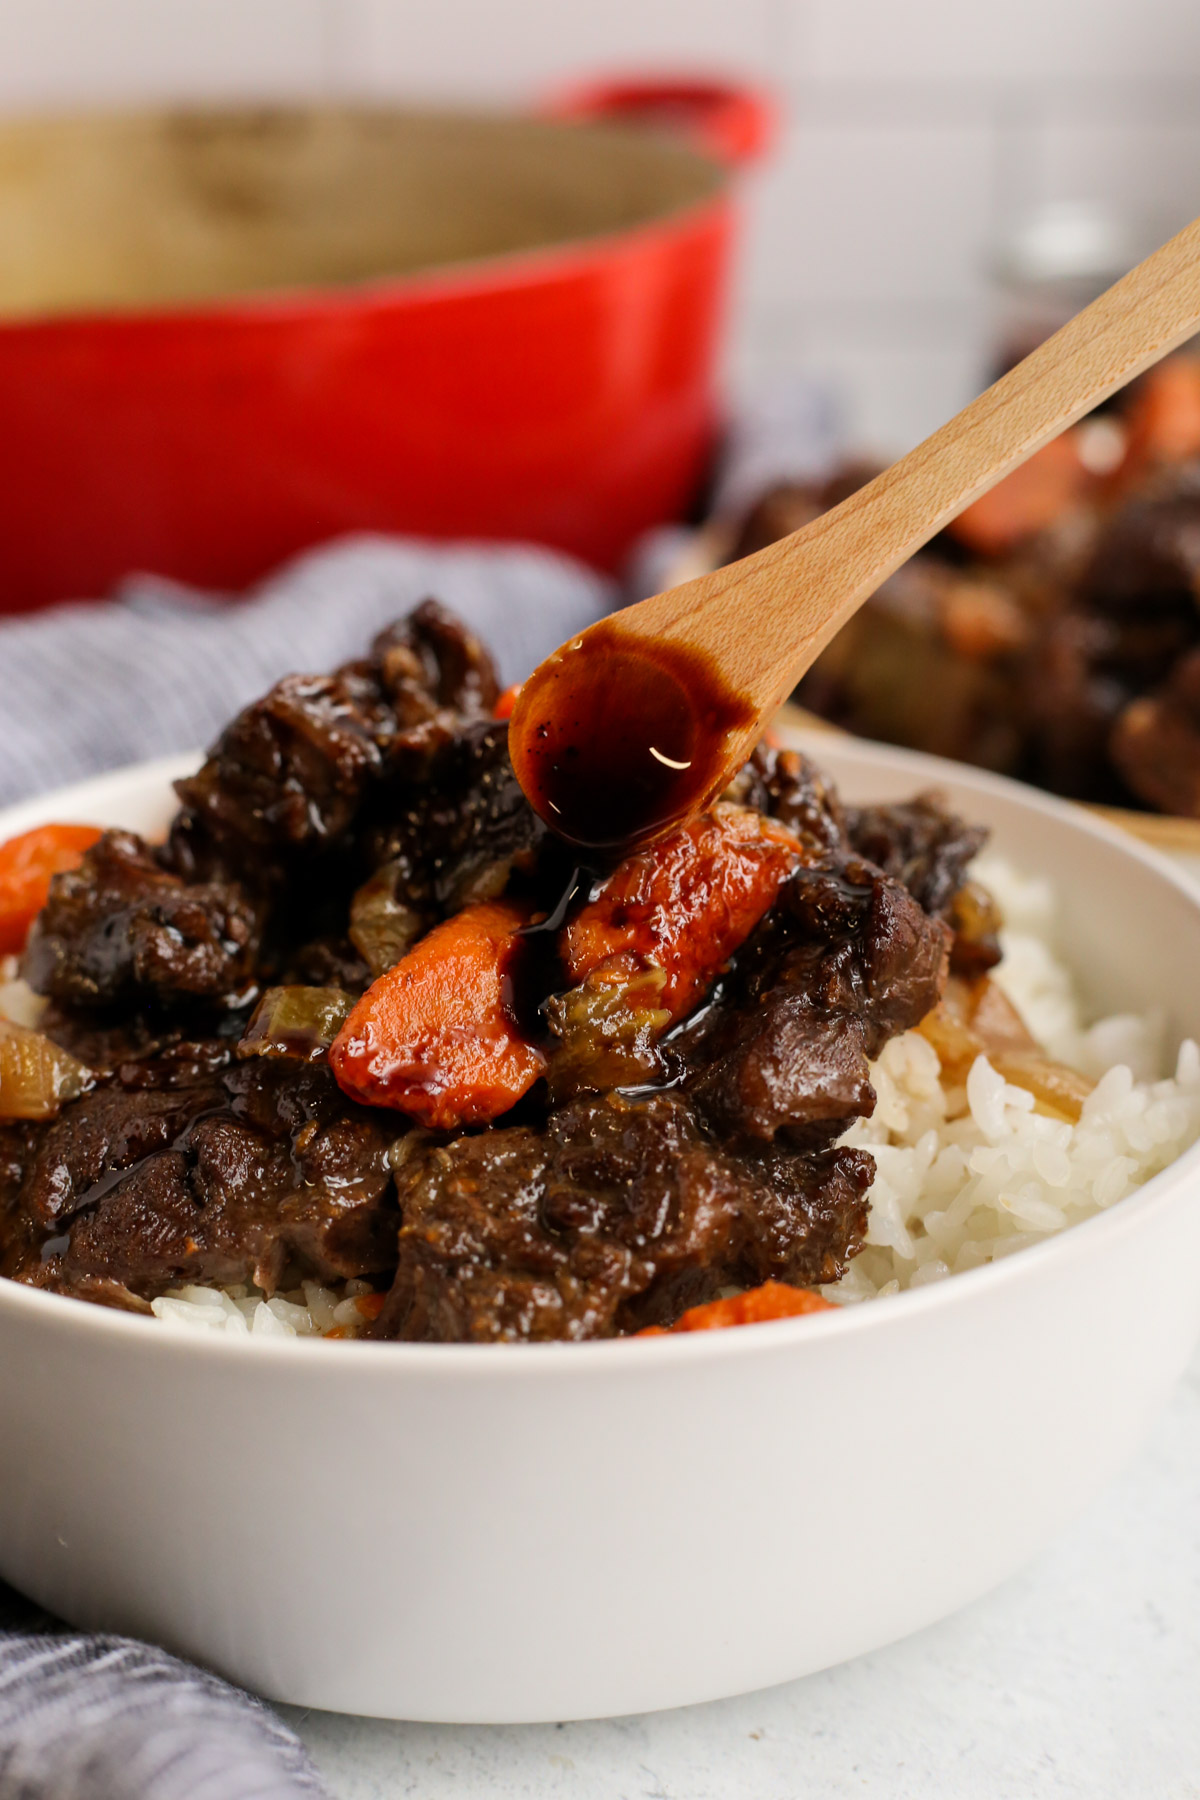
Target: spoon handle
[[766, 618]]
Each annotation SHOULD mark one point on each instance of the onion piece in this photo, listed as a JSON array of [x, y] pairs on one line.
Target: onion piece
[[18, 1002], [1058, 1091], [36, 1077], [607, 1030], [300, 1022], [383, 929]]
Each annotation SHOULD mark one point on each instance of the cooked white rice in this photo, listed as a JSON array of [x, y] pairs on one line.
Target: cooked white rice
[[961, 1178], [957, 1188], [307, 1311]]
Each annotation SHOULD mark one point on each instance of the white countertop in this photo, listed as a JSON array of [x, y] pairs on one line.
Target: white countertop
[[1080, 1677]]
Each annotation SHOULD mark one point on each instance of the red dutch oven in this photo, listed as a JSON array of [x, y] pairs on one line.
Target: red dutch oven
[[226, 336]]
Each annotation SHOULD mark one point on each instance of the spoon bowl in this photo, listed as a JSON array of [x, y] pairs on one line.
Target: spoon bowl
[[619, 734]]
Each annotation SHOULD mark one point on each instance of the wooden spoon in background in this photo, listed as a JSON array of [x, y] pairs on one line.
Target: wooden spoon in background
[[645, 717]]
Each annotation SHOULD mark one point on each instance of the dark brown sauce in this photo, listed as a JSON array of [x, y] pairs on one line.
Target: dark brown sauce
[[60, 1242], [620, 735]]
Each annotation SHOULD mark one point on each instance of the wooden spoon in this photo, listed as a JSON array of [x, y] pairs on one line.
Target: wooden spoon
[[645, 717]]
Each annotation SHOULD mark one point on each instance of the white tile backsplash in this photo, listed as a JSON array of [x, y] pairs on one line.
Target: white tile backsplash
[[981, 41], [512, 49], [915, 130], [71, 52], [897, 374], [1148, 171], [874, 212]]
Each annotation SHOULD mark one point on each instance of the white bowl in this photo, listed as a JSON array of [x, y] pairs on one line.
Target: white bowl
[[471, 1533]]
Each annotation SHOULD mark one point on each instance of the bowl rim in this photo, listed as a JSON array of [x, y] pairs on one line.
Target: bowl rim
[[517, 1361]]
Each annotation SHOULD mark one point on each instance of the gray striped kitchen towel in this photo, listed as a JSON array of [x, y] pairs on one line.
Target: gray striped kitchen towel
[[161, 667], [107, 1718]]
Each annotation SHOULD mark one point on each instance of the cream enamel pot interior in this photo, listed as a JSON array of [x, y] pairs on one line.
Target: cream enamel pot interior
[[470, 1533]]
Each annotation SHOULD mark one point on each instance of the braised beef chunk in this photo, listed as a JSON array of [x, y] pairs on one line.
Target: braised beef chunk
[[327, 962], [1072, 696], [106, 1133], [845, 960], [1101, 663], [357, 805], [226, 1179], [291, 770], [123, 929], [1156, 742], [18, 1145], [430, 662], [918, 843], [706, 1013], [1145, 567], [789, 787], [929, 850], [455, 836], [104, 1037], [620, 1213], [448, 826]]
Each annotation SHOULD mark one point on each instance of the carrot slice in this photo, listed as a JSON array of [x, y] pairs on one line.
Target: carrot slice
[[435, 1037], [1164, 419], [506, 702], [757, 1306], [682, 906], [27, 865], [1026, 501]]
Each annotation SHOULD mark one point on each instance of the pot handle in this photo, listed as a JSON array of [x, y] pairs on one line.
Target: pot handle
[[735, 125]]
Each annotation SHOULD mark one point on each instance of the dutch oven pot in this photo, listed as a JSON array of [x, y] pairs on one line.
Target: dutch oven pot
[[227, 335]]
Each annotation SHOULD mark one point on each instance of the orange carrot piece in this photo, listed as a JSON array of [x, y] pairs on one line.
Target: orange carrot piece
[[27, 864], [370, 1305], [1164, 420], [506, 702], [435, 1037], [757, 1306], [1026, 501], [683, 905]]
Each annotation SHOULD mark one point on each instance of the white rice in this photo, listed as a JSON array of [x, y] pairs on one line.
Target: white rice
[[954, 1188], [307, 1311]]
